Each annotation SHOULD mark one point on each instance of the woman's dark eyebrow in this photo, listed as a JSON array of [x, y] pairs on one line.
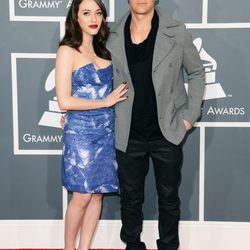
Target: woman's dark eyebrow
[[90, 10]]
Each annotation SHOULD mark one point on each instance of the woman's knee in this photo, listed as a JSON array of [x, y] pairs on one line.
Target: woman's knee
[[97, 197], [81, 200]]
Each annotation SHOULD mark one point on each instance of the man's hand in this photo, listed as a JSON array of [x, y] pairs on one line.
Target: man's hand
[[187, 125]]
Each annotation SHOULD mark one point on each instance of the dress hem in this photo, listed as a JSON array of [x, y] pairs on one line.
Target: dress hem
[[113, 191]]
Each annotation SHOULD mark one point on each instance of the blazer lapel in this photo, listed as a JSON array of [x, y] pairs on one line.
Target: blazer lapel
[[163, 46], [117, 47], [165, 39]]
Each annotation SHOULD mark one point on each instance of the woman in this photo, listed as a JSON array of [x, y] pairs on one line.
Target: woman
[[84, 89]]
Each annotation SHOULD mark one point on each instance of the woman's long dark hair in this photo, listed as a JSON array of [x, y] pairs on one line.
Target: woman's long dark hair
[[73, 32]]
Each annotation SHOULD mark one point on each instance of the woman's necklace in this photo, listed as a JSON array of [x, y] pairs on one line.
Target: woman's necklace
[[90, 51]]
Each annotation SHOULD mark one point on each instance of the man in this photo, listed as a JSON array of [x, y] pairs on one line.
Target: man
[[150, 51]]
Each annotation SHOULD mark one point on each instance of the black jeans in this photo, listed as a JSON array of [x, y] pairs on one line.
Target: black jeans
[[132, 169]]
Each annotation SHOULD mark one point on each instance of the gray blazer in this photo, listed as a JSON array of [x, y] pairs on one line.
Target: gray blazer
[[174, 51]]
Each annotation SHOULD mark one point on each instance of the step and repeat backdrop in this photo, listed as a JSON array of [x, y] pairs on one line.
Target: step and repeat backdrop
[[216, 169]]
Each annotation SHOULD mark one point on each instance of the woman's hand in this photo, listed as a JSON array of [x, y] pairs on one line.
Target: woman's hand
[[62, 121], [117, 95]]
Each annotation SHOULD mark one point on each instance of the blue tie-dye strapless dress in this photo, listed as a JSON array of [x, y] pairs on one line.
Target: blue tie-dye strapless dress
[[88, 164]]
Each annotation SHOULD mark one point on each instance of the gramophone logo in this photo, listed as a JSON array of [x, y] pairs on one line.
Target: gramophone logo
[[36, 115], [213, 89], [51, 117]]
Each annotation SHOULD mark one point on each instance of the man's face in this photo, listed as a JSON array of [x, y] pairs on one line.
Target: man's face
[[141, 7]]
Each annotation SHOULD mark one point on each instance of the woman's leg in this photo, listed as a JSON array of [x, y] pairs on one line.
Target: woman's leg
[[89, 222], [73, 219]]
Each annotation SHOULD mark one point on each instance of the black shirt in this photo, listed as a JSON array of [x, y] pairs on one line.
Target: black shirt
[[144, 123]]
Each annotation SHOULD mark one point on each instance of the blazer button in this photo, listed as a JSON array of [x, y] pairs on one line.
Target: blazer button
[[172, 111], [172, 89], [117, 71], [159, 94], [170, 65]]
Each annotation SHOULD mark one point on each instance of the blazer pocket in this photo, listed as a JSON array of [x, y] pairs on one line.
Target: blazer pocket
[[180, 101]]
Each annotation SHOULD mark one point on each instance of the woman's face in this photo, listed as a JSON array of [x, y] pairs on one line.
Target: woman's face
[[90, 17]]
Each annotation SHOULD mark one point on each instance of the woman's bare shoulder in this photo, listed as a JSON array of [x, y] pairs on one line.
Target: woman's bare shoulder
[[65, 54], [65, 49]]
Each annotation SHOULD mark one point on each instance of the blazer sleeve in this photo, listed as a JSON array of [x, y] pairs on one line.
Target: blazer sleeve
[[196, 78]]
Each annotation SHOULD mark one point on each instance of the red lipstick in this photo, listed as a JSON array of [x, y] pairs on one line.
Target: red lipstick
[[93, 26]]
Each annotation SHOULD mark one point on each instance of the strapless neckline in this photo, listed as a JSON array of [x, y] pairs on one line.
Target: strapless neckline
[[93, 66]]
